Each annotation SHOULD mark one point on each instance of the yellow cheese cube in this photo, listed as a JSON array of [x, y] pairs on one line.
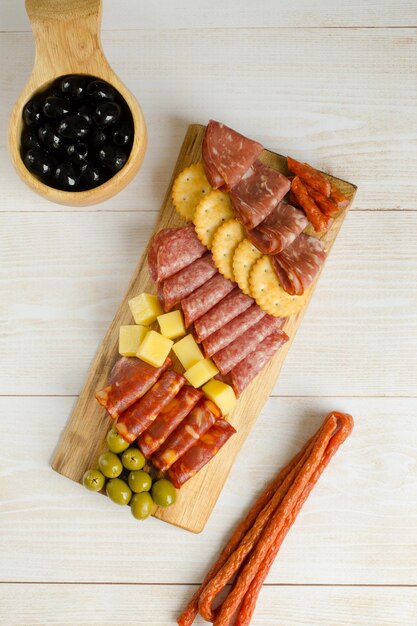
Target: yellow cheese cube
[[172, 324], [154, 349], [221, 394], [188, 352], [201, 372], [145, 308], [129, 339]]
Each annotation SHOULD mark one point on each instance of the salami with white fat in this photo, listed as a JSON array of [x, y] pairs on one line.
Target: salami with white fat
[[232, 330], [230, 307], [178, 287], [227, 155], [171, 250], [298, 264], [258, 193], [279, 229], [205, 297]]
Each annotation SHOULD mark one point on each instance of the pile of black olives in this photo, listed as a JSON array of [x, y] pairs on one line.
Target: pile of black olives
[[77, 133]]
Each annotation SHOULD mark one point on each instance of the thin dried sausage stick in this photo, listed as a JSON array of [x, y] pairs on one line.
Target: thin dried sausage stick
[[337, 196], [319, 221], [310, 176], [249, 601], [326, 205]]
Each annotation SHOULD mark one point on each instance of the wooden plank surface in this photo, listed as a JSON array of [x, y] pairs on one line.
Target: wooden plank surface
[[84, 438]]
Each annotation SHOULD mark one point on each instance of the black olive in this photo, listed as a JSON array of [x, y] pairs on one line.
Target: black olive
[[86, 112], [98, 137], [107, 113], [73, 87], [77, 152], [112, 158], [66, 176], [73, 127], [100, 90], [122, 135], [32, 112], [49, 137], [38, 162], [91, 175], [56, 107], [30, 139]]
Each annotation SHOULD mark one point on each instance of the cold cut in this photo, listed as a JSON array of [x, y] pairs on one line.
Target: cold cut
[[181, 285], [205, 297], [279, 229], [171, 250], [230, 307], [232, 330], [298, 265]]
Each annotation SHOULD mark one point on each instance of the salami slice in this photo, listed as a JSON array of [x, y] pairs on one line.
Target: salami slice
[[279, 229], [171, 250], [201, 418], [298, 265], [168, 419], [205, 297], [129, 380], [231, 306], [236, 351], [178, 287], [246, 370], [231, 331], [258, 193], [227, 155], [200, 453], [140, 415]]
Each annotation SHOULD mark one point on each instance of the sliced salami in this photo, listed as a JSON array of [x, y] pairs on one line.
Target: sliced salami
[[129, 380], [168, 419], [227, 155], [171, 250], [205, 297], [201, 418], [298, 265], [178, 287], [200, 453], [279, 229], [137, 418], [258, 193], [246, 370], [236, 351], [231, 306], [232, 330]]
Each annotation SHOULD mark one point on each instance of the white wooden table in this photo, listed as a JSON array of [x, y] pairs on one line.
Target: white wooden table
[[336, 84]]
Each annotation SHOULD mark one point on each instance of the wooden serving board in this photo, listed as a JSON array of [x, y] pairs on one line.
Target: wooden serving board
[[83, 439]]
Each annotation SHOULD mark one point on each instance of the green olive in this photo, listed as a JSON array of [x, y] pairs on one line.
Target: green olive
[[139, 481], [141, 505], [116, 442], [133, 459], [164, 492], [93, 480], [118, 491], [110, 464]]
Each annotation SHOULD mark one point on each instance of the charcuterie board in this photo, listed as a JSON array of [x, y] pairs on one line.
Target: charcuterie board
[[83, 439]]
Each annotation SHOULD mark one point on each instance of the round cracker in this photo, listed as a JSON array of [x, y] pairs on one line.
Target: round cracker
[[244, 258], [212, 210], [189, 187], [225, 240], [266, 289]]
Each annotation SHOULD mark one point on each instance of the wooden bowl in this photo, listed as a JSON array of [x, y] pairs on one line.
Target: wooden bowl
[[67, 41]]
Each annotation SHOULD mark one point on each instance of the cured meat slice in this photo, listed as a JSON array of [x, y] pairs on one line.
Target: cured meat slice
[[279, 229], [227, 155], [234, 329], [201, 418], [298, 265], [200, 453], [129, 380], [140, 415], [258, 193], [168, 419], [205, 297], [173, 249], [236, 351], [181, 285], [246, 370], [231, 306]]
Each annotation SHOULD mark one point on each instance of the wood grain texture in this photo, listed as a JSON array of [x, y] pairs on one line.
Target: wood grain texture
[[84, 437]]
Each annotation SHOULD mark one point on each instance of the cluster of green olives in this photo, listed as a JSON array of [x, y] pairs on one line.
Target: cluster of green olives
[[122, 472]]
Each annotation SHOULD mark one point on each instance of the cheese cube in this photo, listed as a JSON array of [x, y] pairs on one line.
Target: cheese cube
[[145, 308], [129, 339], [201, 372], [154, 349], [172, 325], [188, 352], [221, 394]]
